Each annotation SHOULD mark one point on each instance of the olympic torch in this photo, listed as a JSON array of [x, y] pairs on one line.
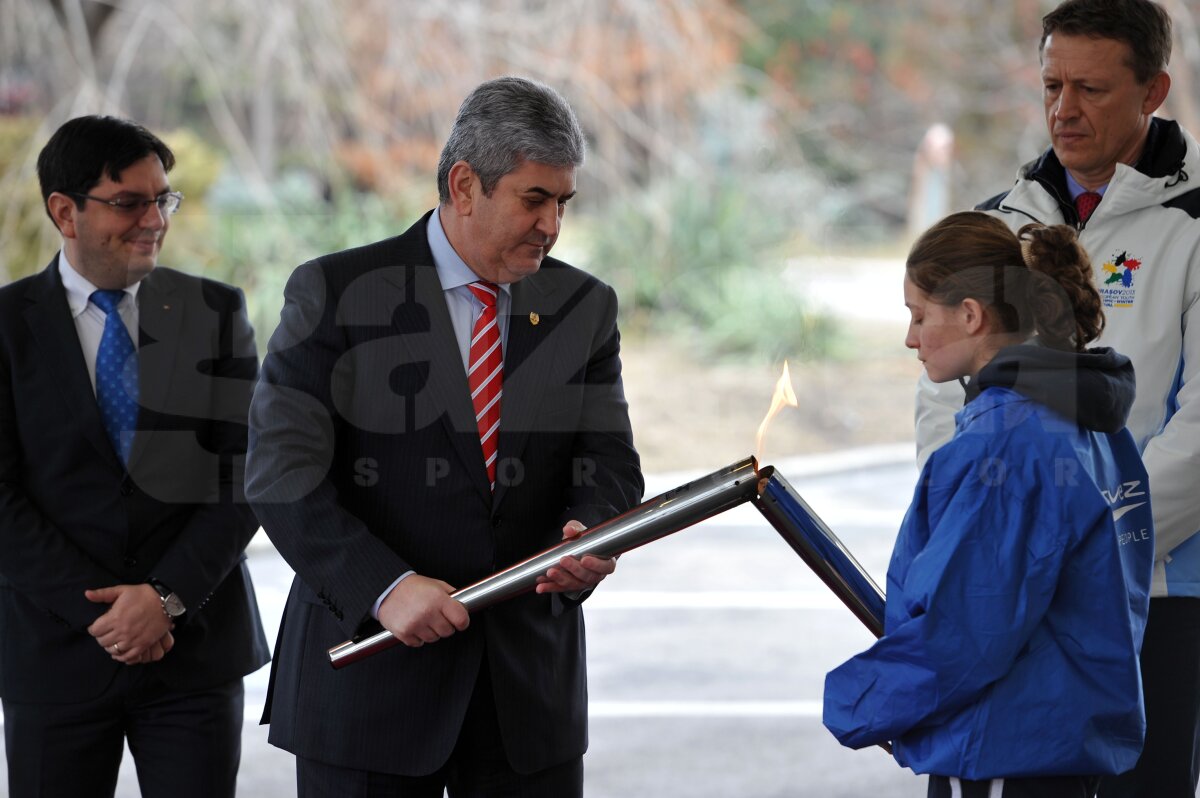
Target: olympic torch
[[675, 510], [670, 512]]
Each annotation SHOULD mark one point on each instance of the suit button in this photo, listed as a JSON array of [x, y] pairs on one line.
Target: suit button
[[130, 562], [127, 488], [496, 521]]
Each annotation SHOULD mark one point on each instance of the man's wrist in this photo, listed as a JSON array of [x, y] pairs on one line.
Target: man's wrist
[[379, 601], [172, 605]]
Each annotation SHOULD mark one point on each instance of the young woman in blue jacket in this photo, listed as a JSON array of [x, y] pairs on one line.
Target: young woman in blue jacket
[[1018, 588]]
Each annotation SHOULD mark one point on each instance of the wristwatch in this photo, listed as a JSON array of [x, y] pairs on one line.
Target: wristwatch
[[172, 605]]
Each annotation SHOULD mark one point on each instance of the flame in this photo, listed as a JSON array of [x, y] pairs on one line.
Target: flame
[[784, 395]]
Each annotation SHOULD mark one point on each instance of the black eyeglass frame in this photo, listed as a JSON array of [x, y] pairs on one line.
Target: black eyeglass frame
[[168, 202]]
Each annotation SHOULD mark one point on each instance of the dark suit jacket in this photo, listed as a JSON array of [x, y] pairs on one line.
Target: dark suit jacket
[[72, 517], [365, 462]]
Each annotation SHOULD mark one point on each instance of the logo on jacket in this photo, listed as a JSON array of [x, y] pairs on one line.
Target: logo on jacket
[[1117, 289], [1127, 497], [1132, 489], [1119, 512]]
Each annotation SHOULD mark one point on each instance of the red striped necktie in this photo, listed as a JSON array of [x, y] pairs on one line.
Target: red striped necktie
[[485, 374]]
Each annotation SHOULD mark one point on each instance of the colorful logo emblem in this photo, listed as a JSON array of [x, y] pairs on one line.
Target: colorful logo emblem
[[1120, 270], [1117, 290]]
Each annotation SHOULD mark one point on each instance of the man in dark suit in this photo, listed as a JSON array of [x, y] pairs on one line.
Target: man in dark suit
[[378, 471], [126, 610]]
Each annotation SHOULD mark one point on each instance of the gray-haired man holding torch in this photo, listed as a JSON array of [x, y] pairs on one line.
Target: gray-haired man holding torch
[[433, 408]]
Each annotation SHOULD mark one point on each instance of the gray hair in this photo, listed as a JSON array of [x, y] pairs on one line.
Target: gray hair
[[504, 122]]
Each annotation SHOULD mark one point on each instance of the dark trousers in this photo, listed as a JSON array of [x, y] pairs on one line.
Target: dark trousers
[[185, 744], [477, 768], [1170, 761], [1039, 787]]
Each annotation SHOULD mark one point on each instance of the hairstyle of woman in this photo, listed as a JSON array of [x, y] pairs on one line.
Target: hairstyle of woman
[[1038, 280]]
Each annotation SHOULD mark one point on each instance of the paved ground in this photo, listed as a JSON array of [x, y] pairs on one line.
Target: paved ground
[[707, 653]]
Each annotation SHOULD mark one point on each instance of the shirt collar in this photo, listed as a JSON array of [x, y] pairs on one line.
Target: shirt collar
[[1076, 189], [452, 271], [79, 289]]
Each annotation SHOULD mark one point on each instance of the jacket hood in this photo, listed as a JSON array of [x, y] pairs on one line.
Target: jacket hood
[[1094, 388]]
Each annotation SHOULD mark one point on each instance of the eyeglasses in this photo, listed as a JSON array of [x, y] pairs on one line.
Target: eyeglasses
[[167, 202]]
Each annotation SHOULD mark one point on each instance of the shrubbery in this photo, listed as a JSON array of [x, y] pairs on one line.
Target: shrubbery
[[705, 261]]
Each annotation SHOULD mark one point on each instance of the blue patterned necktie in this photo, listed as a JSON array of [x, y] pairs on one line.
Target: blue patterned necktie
[[116, 375]]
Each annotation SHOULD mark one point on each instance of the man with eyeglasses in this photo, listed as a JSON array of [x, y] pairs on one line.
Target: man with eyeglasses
[[126, 610]]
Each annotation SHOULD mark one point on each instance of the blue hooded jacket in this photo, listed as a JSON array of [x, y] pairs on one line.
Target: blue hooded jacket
[[1018, 588]]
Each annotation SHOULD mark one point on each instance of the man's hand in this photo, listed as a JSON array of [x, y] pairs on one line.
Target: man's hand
[[163, 645], [135, 629], [419, 610], [573, 574], [158, 649]]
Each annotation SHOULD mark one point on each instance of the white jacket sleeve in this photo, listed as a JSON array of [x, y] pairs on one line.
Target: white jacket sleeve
[[936, 405], [1173, 456]]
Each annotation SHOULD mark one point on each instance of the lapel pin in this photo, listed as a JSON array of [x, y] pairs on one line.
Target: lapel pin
[[534, 319], [166, 307]]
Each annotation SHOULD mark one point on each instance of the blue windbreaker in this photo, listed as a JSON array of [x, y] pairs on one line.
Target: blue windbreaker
[[1018, 589]]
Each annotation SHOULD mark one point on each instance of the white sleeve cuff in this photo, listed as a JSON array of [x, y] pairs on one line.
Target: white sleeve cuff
[[384, 594]]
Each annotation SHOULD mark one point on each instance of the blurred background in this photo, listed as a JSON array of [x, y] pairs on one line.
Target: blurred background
[[757, 170]]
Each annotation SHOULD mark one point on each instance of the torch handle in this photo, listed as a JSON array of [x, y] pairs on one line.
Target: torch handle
[[351, 651], [473, 597]]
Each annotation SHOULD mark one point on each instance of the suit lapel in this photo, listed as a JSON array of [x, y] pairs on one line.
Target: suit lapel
[[49, 318], [447, 384], [160, 319]]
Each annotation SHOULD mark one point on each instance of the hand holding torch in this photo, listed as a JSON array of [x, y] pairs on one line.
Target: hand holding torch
[[670, 512]]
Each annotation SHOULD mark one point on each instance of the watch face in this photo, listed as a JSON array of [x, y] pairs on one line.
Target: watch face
[[173, 605]]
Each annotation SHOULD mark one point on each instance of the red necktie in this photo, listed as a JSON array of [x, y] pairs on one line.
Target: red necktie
[[1085, 203], [485, 374]]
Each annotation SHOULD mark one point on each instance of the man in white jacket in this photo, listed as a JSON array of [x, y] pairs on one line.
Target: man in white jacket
[[1121, 177]]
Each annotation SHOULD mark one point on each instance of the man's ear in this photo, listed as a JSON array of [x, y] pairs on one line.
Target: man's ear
[[63, 211], [464, 187], [1156, 92], [972, 315]]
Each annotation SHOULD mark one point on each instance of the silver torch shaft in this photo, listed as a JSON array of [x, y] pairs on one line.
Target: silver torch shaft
[[663, 515]]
